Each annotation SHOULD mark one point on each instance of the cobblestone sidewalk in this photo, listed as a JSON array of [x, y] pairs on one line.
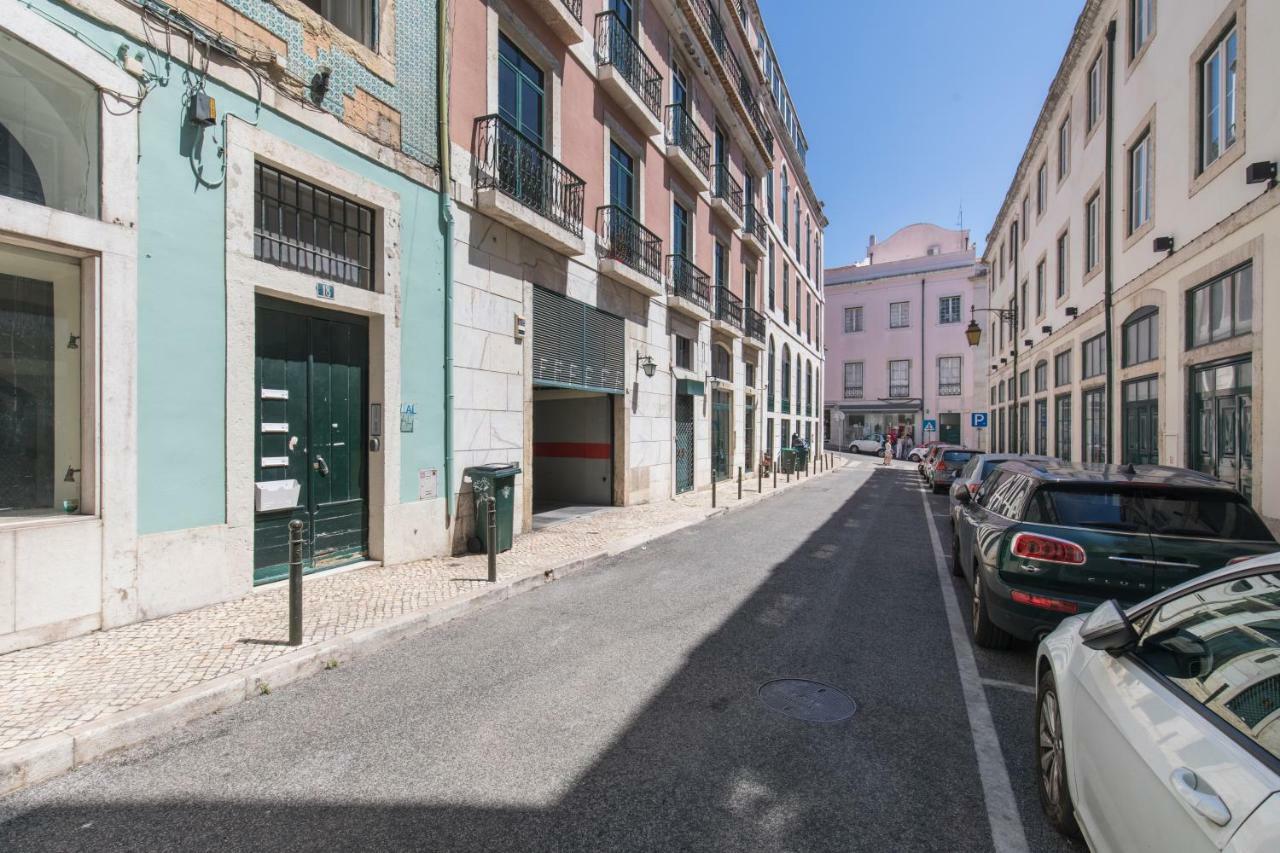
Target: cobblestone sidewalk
[[49, 689]]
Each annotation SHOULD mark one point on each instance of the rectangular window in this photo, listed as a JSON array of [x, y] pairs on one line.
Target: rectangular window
[[1140, 182], [786, 293], [1042, 189], [1221, 309], [721, 266], [1063, 256], [949, 309], [1218, 81], [1092, 233], [1064, 148], [1062, 427], [1024, 307], [353, 17], [900, 378], [1094, 404], [1040, 295], [772, 277], [749, 374], [853, 380], [1139, 336], [1095, 94], [622, 178], [1093, 359], [41, 361], [1042, 377], [1142, 22], [949, 380], [681, 233], [684, 352], [1062, 369], [853, 319], [302, 227], [1025, 222], [899, 315], [1024, 384]]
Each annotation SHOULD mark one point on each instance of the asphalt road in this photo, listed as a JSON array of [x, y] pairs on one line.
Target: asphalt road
[[617, 709]]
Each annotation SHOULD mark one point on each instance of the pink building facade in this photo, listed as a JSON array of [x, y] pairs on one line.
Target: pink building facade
[[897, 356]]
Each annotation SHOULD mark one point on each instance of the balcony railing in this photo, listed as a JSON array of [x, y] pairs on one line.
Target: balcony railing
[[710, 19], [687, 281], [853, 392], [574, 7], [617, 47], [898, 391], [507, 160], [786, 405], [683, 133], [724, 186], [754, 225], [621, 237], [948, 389], [755, 324], [728, 306]]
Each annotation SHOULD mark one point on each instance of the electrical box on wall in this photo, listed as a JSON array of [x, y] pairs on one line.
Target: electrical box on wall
[[521, 327], [204, 109]]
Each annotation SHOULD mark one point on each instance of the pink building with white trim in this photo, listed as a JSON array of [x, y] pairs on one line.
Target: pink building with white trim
[[897, 356]]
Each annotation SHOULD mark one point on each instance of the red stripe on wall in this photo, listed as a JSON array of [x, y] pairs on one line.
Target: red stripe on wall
[[573, 449]]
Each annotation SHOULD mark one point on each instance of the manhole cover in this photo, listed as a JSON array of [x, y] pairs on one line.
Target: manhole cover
[[807, 700]]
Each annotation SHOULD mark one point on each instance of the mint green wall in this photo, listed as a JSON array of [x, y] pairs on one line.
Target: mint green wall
[[182, 301]]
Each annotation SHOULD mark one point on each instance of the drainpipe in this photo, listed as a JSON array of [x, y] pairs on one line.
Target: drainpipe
[[446, 216], [1016, 396], [922, 381], [1108, 283]]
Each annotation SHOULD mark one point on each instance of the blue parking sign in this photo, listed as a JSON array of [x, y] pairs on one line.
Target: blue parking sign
[[931, 425], [978, 420]]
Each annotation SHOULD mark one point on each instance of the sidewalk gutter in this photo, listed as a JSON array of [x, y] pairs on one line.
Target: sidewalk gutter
[[45, 758]]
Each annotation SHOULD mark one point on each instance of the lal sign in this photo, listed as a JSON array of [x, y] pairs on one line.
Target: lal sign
[[978, 420]]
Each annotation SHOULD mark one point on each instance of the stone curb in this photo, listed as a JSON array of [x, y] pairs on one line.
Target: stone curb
[[45, 758]]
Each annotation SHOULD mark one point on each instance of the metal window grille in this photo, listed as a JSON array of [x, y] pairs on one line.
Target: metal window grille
[[302, 227], [949, 376]]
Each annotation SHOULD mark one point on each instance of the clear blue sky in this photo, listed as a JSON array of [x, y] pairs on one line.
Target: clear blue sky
[[914, 106]]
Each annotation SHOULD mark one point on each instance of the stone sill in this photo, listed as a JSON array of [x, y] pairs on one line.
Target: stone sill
[[631, 277], [614, 83], [688, 307], [685, 166], [532, 224]]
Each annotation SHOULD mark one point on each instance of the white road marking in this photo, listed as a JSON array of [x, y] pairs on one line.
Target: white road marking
[[1007, 833], [1009, 685]]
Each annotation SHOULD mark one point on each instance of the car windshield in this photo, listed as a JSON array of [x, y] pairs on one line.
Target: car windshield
[[957, 457], [1204, 513]]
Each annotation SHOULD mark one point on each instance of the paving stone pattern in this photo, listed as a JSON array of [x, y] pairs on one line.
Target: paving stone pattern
[[48, 689]]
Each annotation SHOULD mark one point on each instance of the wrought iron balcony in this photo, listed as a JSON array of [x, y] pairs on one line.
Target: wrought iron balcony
[[512, 163], [949, 389], [726, 188], [899, 391], [853, 392], [753, 226], [710, 20], [728, 307], [684, 134], [618, 48], [688, 282], [620, 237], [786, 404], [755, 327], [574, 7]]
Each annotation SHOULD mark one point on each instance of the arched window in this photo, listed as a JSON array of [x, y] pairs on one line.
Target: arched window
[[786, 378], [48, 132], [1141, 336], [808, 388], [721, 363], [1042, 376]]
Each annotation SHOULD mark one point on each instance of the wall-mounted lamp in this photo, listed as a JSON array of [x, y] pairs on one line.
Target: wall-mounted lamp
[[70, 476], [1004, 361], [1162, 244], [646, 363], [1028, 342], [1261, 173], [1071, 310], [1046, 330], [73, 342]]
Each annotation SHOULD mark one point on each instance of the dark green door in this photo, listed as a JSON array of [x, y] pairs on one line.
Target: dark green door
[[949, 428], [684, 442], [1141, 422], [311, 382], [1222, 423], [721, 425]]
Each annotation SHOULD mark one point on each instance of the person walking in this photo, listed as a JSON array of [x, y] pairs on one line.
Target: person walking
[[889, 441]]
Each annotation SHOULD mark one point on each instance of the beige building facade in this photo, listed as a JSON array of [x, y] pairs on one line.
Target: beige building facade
[[1131, 251]]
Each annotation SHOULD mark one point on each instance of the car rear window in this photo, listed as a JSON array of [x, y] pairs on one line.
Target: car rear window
[[957, 457], [1208, 514]]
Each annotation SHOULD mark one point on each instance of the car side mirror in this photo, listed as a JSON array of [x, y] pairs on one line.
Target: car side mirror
[[963, 496], [1108, 629]]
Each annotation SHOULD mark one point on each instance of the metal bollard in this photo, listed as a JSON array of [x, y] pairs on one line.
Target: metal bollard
[[775, 473], [491, 537], [759, 479], [295, 583], [713, 485], [739, 482]]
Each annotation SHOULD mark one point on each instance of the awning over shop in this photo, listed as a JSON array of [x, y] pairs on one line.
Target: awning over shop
[[877, 407]]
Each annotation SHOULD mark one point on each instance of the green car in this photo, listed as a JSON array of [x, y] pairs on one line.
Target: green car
[[1042, 540]]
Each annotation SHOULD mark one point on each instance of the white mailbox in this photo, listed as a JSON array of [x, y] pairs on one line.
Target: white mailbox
[[276, 494]]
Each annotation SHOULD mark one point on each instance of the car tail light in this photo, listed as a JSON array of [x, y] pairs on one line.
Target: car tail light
[[1057, 605], [1046, 549], [973, 488], [941, 466]]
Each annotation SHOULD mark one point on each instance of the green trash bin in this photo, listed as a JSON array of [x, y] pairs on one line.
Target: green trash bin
[[787, 460], [499, 481], [802, 457]]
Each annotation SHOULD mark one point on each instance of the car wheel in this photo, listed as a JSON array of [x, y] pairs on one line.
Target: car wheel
[[985, 632], [956, 570], [1051, 760]]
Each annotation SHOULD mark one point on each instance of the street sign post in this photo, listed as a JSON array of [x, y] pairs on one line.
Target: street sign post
[[930, 425], [978, 420]]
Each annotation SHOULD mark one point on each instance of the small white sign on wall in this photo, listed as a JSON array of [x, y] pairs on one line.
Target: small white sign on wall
[[427, 483]]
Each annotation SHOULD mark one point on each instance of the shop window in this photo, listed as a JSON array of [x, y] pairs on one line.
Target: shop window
[[1139, 335], [49, 134], [1221, 309], [41, 351]]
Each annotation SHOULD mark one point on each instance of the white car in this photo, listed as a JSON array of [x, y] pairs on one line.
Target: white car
[[1159, 728], [870, 444]]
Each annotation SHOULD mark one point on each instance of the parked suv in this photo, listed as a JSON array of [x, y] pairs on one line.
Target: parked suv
[[975, 473], [1045, 540], [947, 464]]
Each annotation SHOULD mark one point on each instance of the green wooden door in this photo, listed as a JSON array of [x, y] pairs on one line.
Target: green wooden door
[[721, 426], [311, 386]]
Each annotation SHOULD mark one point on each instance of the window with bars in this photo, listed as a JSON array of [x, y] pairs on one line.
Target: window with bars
[[949, 376], [302, 227], [899, 315], [900, 378]]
